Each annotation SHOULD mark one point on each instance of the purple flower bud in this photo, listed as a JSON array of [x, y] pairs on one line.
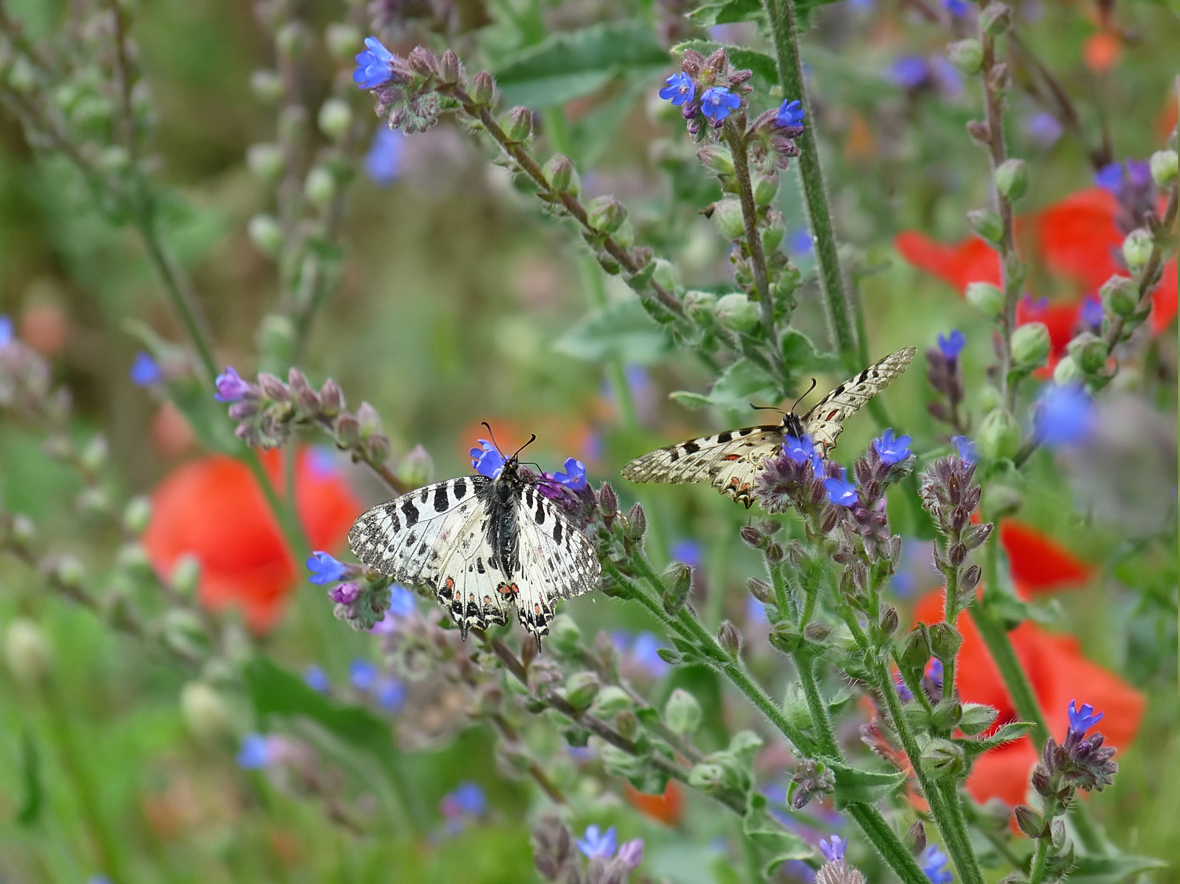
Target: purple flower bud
[[344, 593], [631, 853], [230, 386], [833, 848]]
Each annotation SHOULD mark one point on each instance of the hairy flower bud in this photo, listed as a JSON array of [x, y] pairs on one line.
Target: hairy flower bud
[[976, 718], [562, 175], [266, 233], [483, 89], [580, 689], [717, 158], [1120, 295], [707, 777], [416, 468], [564, 635], [1089, 351], [999, 435], [334, 118], [606, 214], [987, 298], [348, 431], [738, 312], [610, 701], [1012, 179], [518, 124], [765, 189], [987, 224], [966, 56], [728, 218], [761, 590], [1164, 167], [700, 306], [683, 713], [1029, 821], [265, 161], [944, 640], [942, 759], [1067, 372], [1031, 344], [675, 595], [730, 638], [995, 19], [1137, 248]]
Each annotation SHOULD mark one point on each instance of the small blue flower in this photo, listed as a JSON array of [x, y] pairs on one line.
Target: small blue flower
[[1065, 417], [6, 333], [574, 476], [1091, 312], [486, 460], [255, 752], [755, 612], [1110, 177], [323, 462], [465, 799], [402, 602], [598, 844], [373, 66], [686, 551], [910, 72], [957, 8], [362, 674], [718, 103], [230, 386], [1043, 129], [390, 694], [934, 671], [801, 242], [645, 651], [934, 865], [790, 113], [98, 879], [383, 162], [968, 449], [679, 90], [892, 450], [1081, 720], [325, 569], [833, 848], [799, 450], [952, 345], [316, 679], [840, 491], [145, 371]]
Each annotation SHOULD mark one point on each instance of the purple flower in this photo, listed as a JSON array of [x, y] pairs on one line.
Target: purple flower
[[968, 450], [790, 114], [1138, 173], [574, 476], [598, 844], [1091, 312], [686, 551], [903, 689], [362, 674], [631, 853], [390, 694], [840, 491], [1110, 177], [892, 450], [255, 752], [383, 162], [486, 460], [680, 89], [343, 593], [316, 679], [325, 569], [934, 671], [1065, 417], [402, 602], [145, 371], [230, 386], [934, 865], [373, 66], [952, 345], [957, 8], [1043, 129], [645, 651], [909, 72], [833, 848], [6, 334], [1081, 720], [718, 103]]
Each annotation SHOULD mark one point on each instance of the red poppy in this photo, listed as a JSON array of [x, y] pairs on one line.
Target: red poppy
[[1058, 672], [212, 508], [667, 808], [1039, 564], [971, 260]]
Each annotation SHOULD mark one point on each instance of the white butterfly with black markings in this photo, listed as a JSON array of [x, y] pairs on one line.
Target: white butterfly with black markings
[[731, 461], [483, 545]]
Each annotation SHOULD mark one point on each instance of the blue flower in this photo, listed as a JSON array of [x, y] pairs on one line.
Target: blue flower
[[718, 103], [645, 651], [1091, 312], [790, 113], [957, 8], [910, 72], [755, 612], [402, 602], [390, 694], [316, 679], [892, 450], [374, 65], [934, 865], [6, 334], [362, 674], [598, 844], [145, 371], [952, 345], [1110, 177], [799, 450], [903, 690], [1065, 416], [574, 476], [325, 569], [1081, 720], [840, 491], [800, 242], [968, 449], [1043, 129], [383, 162], [465, 799], [255, 752], [934, 671], [680, 89], [631, 853], [230, 386], [833, 848], [686, 551], [486, 460]]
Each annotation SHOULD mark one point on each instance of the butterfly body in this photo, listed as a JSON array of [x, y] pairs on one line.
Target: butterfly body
[[483, 546], [731, 461]]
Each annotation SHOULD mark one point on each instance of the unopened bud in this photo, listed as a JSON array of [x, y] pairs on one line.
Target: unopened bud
[[765, 189], [761, 590], [946, 715], [320, 186], [772, 237], [267, 85], [610, 701], [1029, 821], [716, 158], [1137, 248], [137, 514], [727, 216], [205, 711], [369, 420], [1163, 167], [995, 19], [580, 689], [562, 175], [450, 68], [564, 635], [1031, 344], [976, 718], [483, 89], [266, 233], [944, 640], [700, 306], [707, 777], [675, 596], [1089, 351], [519, 124], [265, 161], [1012, 179], [730, 638], [331, 398], [683, 713], [186, 575], [987, 224], [95, 453], [999, 435], [738, 312], [979, 131], [27, 653], [348, 431], [966, 56], [334, 118], [69, 572], [1120, 295], [416, 468], [637, 521], [606, 214], [942, 759], [987, 298]]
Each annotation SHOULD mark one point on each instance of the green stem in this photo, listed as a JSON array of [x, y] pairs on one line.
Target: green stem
[[786, 604], [1036, 874], [881, 835], [781, 16], [820, 718]]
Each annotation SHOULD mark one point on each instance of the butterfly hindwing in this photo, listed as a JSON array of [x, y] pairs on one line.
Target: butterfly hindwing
[[825, 420]]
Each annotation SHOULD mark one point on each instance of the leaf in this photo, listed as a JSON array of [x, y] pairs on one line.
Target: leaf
[[726, 12], [596, 131], [764, 68], [1110, 869], [30, 770], [572, 64], [621, 330], [1013, 730], [857, 786], [801, 356], [772, 838], [738, 384]]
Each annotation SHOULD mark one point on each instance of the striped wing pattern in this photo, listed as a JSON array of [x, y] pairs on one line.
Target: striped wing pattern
[[825, 420]]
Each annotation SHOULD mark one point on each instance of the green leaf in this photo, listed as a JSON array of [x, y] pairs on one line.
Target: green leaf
[[592, 134], [621, 330], [1110, 869], [738, 384], [764, 68], [572, 64], [726, 12], [1013, 730], [775, 842], [800, 355], [857, 786], [34, 791]]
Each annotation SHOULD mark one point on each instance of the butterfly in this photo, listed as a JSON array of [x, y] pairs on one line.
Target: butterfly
[[730, 461], [482, 544]]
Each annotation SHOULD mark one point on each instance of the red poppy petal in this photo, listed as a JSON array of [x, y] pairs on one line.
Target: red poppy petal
[[667, 808], [1038, 563], [1003, 773], [1163, 299], [971, 260], [1078, 238]]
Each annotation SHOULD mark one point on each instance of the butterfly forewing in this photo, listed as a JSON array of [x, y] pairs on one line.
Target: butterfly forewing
[[699, 460], [825, 420]]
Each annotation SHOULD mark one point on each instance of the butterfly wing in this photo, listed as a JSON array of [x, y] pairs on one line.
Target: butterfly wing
[[728, 461], [825, 421]]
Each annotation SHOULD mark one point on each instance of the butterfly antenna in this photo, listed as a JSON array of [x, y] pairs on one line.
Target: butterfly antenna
[[766, 408], [488, 427], [805, 395], [532, 439]]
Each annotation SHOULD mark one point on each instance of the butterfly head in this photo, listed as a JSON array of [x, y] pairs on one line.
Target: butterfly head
[[792, 425]]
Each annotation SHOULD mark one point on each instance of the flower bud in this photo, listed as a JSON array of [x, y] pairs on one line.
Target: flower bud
[[266, 233], [999, 435], [483, 89], [636, 521], [915, 837], [1029, 821], [562, 175], [334, 118], [580, 689], [773, 236], [765, 189], [320, 186], [1012, 179], [416, 468], [606, 214], [995, 19], [1137, 248], [786, 637], [348, 431], [1001, 500], [22, 532], [610, 701], [27, 653], [564, 635], [942, 759], [736, 311], [331, 398], [730, 638], [987, 224], [915, 648], [627, 724], [1031, 344], [987, 298], [889, 620], [265, 161], [683, 713], [675, 596], [205, 711], [1120, 295], [519, 124], [69, 572], [699, 306], [717, 158], [186, 575], [976, 718], [267, 86], [761, 590], [979, 131], [1089, 351], [707, 777], [944, 640], [966, 56], [343, 41], [1068, 372], [94, 454], [947, 715], [1163, 167], [450, 68], [369, 420], [727, 216]]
